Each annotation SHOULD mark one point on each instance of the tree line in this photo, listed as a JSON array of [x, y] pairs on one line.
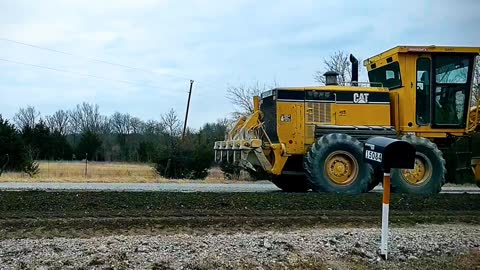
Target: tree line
[[85, 133]]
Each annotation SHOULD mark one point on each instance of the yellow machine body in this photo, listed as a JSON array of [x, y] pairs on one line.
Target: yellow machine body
[[396, 101], [297, 119]]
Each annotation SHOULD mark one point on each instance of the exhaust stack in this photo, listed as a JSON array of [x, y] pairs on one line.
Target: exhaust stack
[[354, 62]]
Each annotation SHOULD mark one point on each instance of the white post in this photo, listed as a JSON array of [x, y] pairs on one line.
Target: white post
[[385, 209]]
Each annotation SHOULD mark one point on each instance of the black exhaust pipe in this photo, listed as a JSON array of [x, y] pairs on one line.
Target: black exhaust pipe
[[354, 62]]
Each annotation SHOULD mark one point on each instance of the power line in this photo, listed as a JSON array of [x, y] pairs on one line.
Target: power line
[[204, 94], [99, 61], [74, 73], [91, 58]]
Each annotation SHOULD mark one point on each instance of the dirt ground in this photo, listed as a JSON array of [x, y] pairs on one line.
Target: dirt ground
[[84, 214], [58, 230]]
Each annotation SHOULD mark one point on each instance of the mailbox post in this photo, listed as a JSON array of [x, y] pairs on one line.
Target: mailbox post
[[385, 154]]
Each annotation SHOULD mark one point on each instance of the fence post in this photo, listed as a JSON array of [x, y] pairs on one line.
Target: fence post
[[385, 210], [86, 164]]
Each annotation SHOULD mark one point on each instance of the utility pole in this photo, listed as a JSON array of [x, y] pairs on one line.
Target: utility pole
[[188, 107]]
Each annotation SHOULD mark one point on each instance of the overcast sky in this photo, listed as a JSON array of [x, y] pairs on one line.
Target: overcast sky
[[216, 43]]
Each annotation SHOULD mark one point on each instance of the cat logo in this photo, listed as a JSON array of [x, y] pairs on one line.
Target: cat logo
[[360, 97]]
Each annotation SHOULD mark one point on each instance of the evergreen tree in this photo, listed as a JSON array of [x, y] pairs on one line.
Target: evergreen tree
[[11, 147], [89, 144], [61, 149], [39, 140]]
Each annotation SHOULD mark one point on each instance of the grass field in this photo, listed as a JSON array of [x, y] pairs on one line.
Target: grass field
[[103, 172]]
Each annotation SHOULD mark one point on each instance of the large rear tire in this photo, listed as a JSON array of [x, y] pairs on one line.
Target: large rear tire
[[428, 176], [335, 164], [291, 183]]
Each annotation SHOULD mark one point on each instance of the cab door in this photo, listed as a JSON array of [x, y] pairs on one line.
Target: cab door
[[423, 90]]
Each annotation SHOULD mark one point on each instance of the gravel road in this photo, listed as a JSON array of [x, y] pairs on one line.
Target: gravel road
[[262, 186], [314, 248], [166, 187]]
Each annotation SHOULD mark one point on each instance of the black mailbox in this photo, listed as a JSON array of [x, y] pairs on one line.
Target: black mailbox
[[386, 153]]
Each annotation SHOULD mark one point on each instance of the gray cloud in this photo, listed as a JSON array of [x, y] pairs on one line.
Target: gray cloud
[[217, 43]]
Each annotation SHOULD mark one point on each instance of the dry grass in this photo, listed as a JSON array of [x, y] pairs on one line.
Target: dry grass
[[99, 172]]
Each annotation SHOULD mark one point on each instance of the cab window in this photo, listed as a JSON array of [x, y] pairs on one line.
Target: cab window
[[388, 76], [452, 73]]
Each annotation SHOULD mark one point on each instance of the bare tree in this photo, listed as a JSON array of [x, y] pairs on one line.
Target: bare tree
[[76, 119], [242, 97], [74, 126], [120, 123], [26, 117], [87, 117], [105, 127], [171, 123], [338, 62], [136, 125], [153, 127], [59, 122], [476, 82], [224, 121]]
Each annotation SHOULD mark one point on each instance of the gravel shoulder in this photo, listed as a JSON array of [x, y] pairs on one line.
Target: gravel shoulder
[[181, 186], [171, 230], [418, 247]]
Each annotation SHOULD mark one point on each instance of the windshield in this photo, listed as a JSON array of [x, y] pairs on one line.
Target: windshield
[[452, 69], [452, 89]]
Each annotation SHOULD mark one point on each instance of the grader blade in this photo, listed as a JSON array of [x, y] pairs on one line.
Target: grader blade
[[245, 153], [243, 144]]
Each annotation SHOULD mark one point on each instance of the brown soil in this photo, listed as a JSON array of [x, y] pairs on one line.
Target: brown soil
[[87, 214]]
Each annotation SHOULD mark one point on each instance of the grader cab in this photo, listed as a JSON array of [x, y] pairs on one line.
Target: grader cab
[[312, 137]]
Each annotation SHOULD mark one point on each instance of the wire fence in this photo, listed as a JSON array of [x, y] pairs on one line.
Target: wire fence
[[95, 171], [89, 169]]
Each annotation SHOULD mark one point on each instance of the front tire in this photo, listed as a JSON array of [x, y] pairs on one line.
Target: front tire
[[428, 176], [335, 164]]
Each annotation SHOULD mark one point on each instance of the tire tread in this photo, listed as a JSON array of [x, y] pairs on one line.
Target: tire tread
[[321, 143], [416, 141]]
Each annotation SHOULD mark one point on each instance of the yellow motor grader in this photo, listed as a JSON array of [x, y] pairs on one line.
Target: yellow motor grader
[[312, 137]]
